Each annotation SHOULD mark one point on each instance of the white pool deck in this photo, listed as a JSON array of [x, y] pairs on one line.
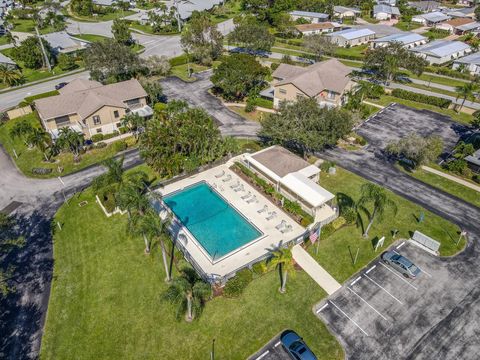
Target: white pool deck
[[271, 237]]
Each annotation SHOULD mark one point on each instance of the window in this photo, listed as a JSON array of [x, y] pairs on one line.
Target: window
[[99, 130], [96, 120], [116, 114], [118, 125], [134, 103], [62, 121], [331, 95], [283, 91], [299, 95]]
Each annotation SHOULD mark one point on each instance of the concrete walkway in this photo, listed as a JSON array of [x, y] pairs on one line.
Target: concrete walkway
[[452, 178], [316, 272]]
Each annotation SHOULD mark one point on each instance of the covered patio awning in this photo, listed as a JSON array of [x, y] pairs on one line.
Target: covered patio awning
[[144, 111], [56, 132], [308, 190]]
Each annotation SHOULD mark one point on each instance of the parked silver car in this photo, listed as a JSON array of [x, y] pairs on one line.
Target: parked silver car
[[401, 264]]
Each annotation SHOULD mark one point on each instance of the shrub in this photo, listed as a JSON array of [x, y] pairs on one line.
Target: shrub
[[421, 98], [123, 129], [236, 285], [459, 167], [100, 145], [476, 178], [338, 222], [265, 103], [30, 99], [119, 145], [274, 66], [326, 165], [349, 214], [327, 230], [111, 135], [250, 105], [97, 137], [259, 268]]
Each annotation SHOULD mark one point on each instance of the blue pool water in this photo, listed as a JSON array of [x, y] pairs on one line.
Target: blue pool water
[[216, 225]]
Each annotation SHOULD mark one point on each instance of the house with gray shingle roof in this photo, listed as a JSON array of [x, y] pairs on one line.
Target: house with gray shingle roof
[[326, 81], [92, 107], [442, 51], [385, 12], [63, 43], [312, 17]]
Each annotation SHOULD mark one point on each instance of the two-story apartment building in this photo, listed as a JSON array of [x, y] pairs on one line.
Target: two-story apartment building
[[92, 108], [326, 81]]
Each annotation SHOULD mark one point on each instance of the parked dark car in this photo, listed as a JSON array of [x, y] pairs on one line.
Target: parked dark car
[[295, 346], [401, 264], [60, 85]]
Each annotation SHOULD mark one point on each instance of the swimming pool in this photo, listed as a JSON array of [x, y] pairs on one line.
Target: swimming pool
[[217, 226]]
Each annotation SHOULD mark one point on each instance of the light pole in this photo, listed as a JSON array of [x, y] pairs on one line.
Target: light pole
[[212, 353]]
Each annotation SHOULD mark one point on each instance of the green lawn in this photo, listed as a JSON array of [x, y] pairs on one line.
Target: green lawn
[[252, 116], [432, 89], [28, 25], [90, 37], [451, 187], [461, 117], [30, 158], [436, 34], [102, 17], [356, 52], [181, 71], [3, 40], [148, 29], [106, 302], [439, 79], [229, 10], [333, 252], [407, 26]]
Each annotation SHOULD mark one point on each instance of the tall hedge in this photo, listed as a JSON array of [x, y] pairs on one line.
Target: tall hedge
[[421, 98]]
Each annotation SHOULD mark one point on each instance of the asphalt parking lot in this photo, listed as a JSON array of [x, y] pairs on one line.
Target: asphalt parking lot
[[379, 314], [397, 121], [273, 350]]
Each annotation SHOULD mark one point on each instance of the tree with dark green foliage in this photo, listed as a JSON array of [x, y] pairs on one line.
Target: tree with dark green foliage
[[121, 32], [386, 61], [82, 7], [201, 38], [239, 75], [419, 150], [135, 123], [319, 45], [153, 89], [70, 140], [167, 146], [252, 35], [305, 126], [9, 241], [66, 62], [109, 61], [477, 13], [30, 53]]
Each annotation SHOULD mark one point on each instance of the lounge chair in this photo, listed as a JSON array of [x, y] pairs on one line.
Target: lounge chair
[[252, 199], [262, 210], [287, 229], [244, 197], [271, 215], [228, 178], [220, 174], [239, 188], [237, 184], [282, 224]]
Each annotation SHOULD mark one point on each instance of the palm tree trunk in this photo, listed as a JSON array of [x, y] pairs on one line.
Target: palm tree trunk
[[147, 245], [165, 263], [189, 308], [365, 234], [463, 102], [284, 283]]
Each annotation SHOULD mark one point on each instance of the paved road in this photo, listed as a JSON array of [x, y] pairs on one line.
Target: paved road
[[196, 94], [12, 98]]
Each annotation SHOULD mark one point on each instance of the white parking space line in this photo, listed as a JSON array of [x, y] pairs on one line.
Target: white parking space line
[[399, 276], [277, 344], [381, 287], [373, 267], [323, 307], [263, 355], [399, 246], [348, 317], [426, 273], [366, 302], [355, 281]]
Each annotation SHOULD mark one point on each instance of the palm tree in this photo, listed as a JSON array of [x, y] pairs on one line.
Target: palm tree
[[154, 227], [282, 259], [10, 76], [466, 91], [11, 39], [114, 174], [135, 123], [70, 140], [376, 195], [189, 293], [22, 129], [42, 140]]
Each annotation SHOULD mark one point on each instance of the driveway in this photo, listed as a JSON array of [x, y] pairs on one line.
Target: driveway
[[379, 314], [196, 94]]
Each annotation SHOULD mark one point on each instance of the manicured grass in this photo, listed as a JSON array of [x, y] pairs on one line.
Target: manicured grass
[[449, 186], [90, 37], [28, 25], [33, 158], [253, 116], [351, 63], [3, 40], [356, 52], [461, 117], [436, 34], [407, 26], [439, 79], [102, 17], [230, 10], [333, 252], [106, 301], [181, 71]]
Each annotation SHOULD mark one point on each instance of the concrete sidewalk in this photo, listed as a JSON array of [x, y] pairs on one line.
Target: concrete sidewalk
[[452, 178], [316, 272]]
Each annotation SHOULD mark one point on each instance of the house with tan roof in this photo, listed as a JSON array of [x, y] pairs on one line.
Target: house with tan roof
[[453, 24], [92, 108], [317, 28], [326, 81]]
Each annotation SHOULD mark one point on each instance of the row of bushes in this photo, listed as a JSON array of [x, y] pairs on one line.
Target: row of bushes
[[292, 207], [421, 98], [30, 99], [100, 137], [236, 285]]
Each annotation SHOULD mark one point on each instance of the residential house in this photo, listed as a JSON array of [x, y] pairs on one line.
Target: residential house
[[453, 24], [352, 37], [105, 2], [469, 3], [62, 43], [473, 27], [424, 6], [5, 7], [294, 178], [312, 17], [470, 62], [430, 19], [92, 108], [387, 2], [473, 161], [462, 13], [186, 8], [6, 61], [343, 12], [318, 28], [327, 81], [407, 39], [385, 12], [442, 51]]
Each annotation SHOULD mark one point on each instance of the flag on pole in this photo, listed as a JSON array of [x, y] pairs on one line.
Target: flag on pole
[[314, 235]]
